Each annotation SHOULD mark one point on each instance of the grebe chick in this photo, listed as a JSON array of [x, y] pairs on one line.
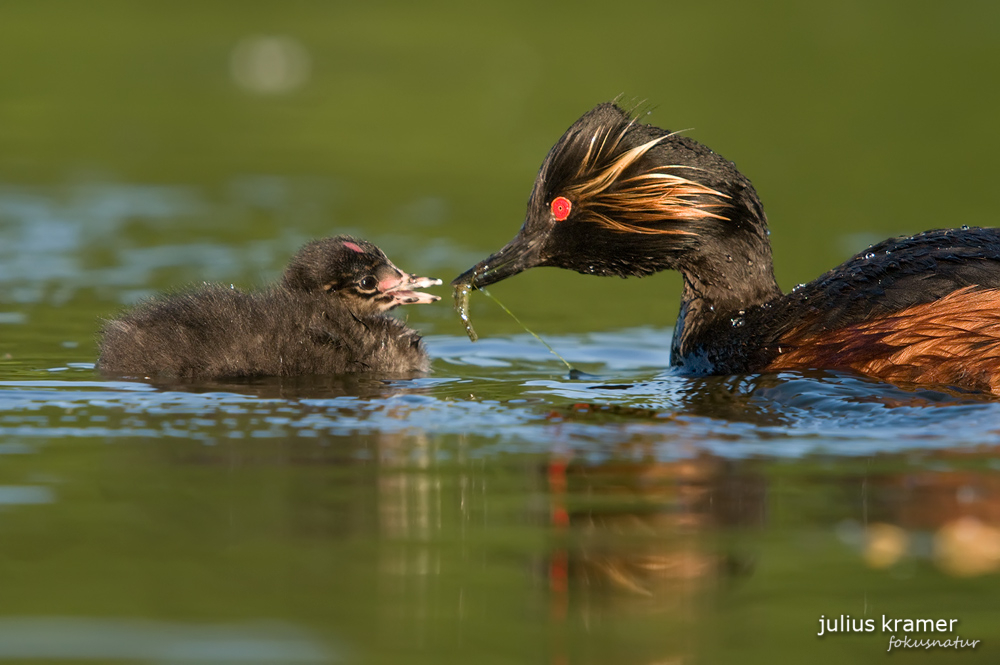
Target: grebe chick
[[326, 316], [617, 197]]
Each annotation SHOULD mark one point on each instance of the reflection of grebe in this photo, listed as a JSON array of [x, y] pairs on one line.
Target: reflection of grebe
[[615, 197], [325, 317], [960, 507], [643, 528]]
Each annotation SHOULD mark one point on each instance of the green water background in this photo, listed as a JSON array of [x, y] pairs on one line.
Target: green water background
[[425, 123]]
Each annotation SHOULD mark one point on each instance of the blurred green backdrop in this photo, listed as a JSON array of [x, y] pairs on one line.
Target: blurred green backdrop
[[421, 125]]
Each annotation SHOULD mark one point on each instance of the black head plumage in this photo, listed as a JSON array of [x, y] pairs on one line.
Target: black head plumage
[[618, 197]]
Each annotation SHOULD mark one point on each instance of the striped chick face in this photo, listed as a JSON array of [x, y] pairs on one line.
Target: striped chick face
[[358, 273]]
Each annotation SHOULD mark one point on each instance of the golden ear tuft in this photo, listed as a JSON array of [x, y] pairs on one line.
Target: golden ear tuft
[[642, 202]]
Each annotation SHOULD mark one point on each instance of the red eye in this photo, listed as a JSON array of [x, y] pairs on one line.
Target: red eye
[[560, 208]]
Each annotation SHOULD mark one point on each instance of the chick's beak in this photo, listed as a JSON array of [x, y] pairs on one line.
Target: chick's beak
[[521, 253], [402, 289]]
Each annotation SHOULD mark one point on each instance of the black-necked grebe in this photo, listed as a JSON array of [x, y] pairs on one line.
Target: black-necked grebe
[[617, 197]]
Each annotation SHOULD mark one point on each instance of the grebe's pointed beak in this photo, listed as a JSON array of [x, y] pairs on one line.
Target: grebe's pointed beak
[[518, 255]]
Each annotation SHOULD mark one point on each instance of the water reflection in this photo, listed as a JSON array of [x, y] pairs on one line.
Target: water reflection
[[589, 544], [595, 533], [640, 528], [939, 511], [362, 386], [164, 643], [628, 539]]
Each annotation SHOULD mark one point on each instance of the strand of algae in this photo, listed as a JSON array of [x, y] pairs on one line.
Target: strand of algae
[[461, 305]]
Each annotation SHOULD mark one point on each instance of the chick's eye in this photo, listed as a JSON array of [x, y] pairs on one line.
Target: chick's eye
[[561, 207], [368, 283]]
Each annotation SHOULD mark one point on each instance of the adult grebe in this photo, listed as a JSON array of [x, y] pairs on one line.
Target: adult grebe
[[617, 197]]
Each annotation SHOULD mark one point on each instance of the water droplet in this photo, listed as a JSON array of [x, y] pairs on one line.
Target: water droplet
[[779, 349], [737, 322], [965, 227], [711, 308], [728, 257], [749, 262], [798, 286], [869, 255]]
